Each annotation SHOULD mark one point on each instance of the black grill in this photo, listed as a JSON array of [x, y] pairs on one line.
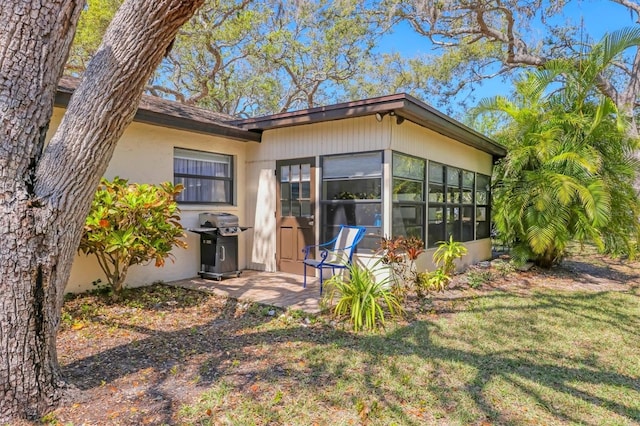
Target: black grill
[[218, 245]]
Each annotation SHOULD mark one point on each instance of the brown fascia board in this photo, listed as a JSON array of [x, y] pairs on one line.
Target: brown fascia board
[[402, 105], [171, 114]]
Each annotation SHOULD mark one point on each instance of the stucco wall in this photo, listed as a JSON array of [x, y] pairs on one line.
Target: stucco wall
[[144, 154]]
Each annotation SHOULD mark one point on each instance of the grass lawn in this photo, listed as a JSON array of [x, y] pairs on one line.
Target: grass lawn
[[172, 356]]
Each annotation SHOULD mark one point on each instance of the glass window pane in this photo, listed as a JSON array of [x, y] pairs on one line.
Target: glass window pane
[[482, 197], [363, 214], [205, 176], [408, 167], [204, 190], [305, 207], [350, 213], [407, 190], [453, 223], [467, 196], [285, 208], [285, 191], [467, 223], [436, 173], [295, 191], [295, 208], [436, 226], [436, 193], [306, 190], [483, 188], [408, 220], [295, 173], [453, 195], [306, 172], [284, 173], [484, 183], [482, 223], [453, 177], [356, 189], [352, 165], [201, 163], [467, 179]]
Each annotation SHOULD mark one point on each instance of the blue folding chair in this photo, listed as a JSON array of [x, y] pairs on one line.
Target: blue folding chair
[[334, 254]]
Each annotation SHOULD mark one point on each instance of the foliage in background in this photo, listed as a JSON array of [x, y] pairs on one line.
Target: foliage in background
[[570, 170], [131, 224], [363, 297], [251, 58]]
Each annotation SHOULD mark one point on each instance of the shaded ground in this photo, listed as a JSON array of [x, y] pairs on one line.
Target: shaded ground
[[142, 360]]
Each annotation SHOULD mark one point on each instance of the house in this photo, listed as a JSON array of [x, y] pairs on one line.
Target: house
[[392, 164]]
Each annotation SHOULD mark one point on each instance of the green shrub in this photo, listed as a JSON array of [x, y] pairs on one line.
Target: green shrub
[[444, 258], [130, 224], [363, 298], [503, 267], [447, 253], [476, 278]]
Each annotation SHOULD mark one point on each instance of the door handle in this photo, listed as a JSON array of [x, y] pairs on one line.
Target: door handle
[[223, 253]]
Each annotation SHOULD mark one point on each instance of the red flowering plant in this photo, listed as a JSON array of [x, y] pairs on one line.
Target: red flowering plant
[[400, 253]]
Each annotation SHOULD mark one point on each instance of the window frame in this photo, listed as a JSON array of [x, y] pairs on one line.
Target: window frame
[[417, 204], [374, 227], [448, 205], [230, 197]]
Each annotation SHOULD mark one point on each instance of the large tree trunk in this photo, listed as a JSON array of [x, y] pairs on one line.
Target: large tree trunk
[[45, 195]]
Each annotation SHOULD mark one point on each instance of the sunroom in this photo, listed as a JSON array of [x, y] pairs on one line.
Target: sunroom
[[392, 164]]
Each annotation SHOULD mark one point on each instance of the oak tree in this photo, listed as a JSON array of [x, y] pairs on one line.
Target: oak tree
[[46, 189]]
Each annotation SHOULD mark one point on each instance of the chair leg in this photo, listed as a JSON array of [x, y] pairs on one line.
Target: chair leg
[[321, 281], [304, 281]]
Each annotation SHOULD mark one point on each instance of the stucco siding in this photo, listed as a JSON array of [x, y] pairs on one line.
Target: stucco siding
[[144, 154]]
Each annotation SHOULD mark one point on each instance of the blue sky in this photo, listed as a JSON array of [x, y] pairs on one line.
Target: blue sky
[[599, 17]]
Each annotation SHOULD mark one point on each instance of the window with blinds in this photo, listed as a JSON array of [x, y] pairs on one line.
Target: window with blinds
[[207, 177]]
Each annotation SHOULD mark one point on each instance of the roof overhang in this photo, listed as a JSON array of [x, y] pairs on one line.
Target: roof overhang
[[161, 112], [401, 105]]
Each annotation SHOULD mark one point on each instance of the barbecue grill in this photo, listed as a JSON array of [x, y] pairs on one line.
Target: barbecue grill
[[218, 245]]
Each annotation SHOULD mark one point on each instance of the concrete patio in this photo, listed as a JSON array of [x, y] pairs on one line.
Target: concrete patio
[[268, 288]]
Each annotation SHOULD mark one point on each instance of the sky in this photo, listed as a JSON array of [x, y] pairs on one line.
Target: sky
[[599, 17]]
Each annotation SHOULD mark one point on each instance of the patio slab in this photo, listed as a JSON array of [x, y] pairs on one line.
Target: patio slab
[[267, 288]]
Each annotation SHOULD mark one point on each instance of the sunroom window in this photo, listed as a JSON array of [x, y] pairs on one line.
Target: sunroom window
[[206, 176], [452, 209], [408, 196], [352, 195], [483, 202]]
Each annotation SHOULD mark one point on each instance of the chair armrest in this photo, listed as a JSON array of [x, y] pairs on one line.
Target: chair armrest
[[308, 248]]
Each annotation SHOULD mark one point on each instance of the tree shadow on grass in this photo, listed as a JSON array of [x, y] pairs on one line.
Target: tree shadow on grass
[[220, 343]]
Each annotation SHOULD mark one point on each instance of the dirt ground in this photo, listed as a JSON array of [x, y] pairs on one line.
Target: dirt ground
[[138, 361]]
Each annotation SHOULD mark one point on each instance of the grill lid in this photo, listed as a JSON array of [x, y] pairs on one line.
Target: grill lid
[[218, 220]]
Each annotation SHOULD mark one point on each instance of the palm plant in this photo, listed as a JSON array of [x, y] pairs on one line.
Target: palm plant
[[570, 169], [363, 297]]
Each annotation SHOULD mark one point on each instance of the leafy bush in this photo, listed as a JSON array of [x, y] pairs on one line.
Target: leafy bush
[[130, 224], [476, 278], [503, 267], [444, 258], [447, 253], [363, 298]]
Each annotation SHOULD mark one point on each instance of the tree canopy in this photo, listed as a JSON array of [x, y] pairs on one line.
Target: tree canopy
[[251, 58]]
